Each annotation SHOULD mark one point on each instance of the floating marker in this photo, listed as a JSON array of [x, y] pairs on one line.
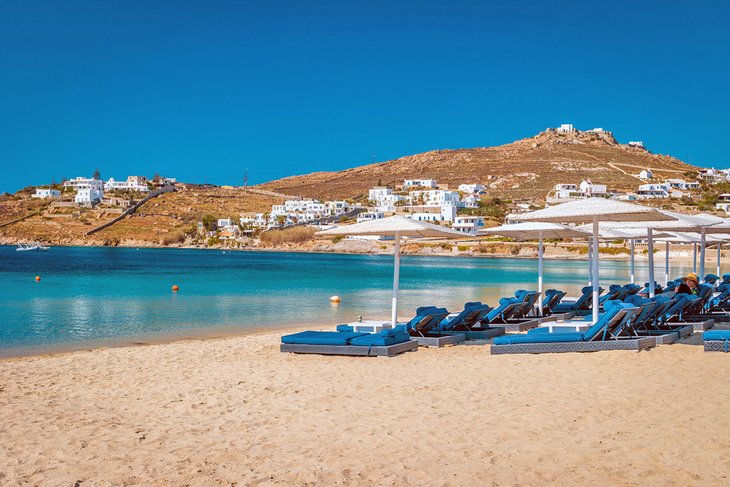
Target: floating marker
[[37, 278], [175, 287], [335, 299]]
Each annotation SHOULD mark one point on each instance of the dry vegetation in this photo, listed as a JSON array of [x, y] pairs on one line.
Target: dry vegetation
[[294, 235]]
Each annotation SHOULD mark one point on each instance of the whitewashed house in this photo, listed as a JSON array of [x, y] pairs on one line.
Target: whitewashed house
[[683, 185], [566, 128], [636, 143], [588, 189], [420, 183], [85, 183], [646, 174], [224, 222], [133, 183], [434, 197], [45, 193], [470, 201], [384, 199], [723, 202], [88, 196], [656, 190], [471, 188], [367, 216], [468, 225]]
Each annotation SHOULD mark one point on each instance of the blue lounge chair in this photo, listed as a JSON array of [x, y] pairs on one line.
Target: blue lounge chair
[[582, 305], [716, 340], [346, 342], [529, 300], [426, 329], [605, 334], [645, 322], [552, 298], [711, 279], [508, 315], [469, 323]]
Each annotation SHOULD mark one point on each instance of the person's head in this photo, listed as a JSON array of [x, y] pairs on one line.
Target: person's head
[[691, 280]]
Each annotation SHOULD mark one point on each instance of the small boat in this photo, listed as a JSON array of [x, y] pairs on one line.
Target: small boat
[[33, 246]]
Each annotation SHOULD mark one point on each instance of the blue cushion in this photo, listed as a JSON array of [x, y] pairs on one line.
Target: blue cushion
[[345, 328], [716, 335], [321, 338], [380, 339], [539, 338]]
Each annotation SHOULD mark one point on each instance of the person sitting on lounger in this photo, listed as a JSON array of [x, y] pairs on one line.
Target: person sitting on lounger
[[690, 285]]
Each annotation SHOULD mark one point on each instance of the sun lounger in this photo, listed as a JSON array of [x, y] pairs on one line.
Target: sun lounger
[[645, 322], [425, 329], [508, 316], [386, 343], [552, 298], [469, 323], [716, 340], [711, 279], [582, 306], [605, 334]]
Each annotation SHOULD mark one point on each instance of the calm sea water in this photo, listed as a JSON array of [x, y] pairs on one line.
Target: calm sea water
[[93, 296]]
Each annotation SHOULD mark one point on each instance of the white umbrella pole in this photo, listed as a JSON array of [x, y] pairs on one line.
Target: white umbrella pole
[[719, 253], [596, 304], [633, 279], [666, 263], [540, 252], [590, 263], [702, 254], [694, 257], [396, 278], [650, 251]]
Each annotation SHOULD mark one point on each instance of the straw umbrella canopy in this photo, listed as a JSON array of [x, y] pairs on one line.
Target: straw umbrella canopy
[[539, 231], [394, 226], [593, 210]]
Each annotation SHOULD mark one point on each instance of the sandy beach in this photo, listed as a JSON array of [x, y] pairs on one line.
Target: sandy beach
[[236, 411]]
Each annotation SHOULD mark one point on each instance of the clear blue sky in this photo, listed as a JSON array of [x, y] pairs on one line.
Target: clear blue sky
[[202, 90]]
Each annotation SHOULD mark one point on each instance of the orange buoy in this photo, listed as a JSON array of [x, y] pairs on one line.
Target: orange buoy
[[175, 288], [37, 278], [335, 299]]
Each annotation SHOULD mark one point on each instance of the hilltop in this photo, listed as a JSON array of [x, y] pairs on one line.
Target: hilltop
[[524, 169]]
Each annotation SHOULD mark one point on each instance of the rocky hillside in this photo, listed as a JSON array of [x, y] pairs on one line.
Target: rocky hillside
[[525, 169]]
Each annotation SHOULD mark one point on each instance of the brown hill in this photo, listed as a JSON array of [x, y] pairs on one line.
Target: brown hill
[[525, 169]]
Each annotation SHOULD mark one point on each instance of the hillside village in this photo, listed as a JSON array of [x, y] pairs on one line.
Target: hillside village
[[163, 211]]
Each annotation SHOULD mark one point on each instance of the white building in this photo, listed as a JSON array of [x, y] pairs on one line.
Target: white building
[[566, 128], [337, 207], [597, 130], [384, 199], [468, 225], [434, 197], [588, 189], [369, 216], [471, 201], [723, 202], [566, 191], [224, 222], [471, 188], [683, 185], [652, 191], [44, 193], [85, 183], [133, 183], [646, 174], [420, 183], [636, 143], [88, 196]]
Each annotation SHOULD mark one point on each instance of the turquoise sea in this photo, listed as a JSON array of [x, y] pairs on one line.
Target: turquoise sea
[[104, 296]]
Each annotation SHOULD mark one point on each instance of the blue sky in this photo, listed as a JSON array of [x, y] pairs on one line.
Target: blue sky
[[202, 90]]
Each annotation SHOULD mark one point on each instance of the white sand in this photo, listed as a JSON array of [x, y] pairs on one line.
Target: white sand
[[237, 411]]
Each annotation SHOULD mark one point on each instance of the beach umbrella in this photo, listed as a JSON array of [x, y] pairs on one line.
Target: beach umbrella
[[593, 210], [397, 227], [537, 231], [670, 221]]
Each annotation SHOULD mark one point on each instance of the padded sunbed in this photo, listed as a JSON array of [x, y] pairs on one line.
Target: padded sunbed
[[387, 343], [424, 328], [469, 323], [716, 340], [603, 335], [582, 306], [646, 321]]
